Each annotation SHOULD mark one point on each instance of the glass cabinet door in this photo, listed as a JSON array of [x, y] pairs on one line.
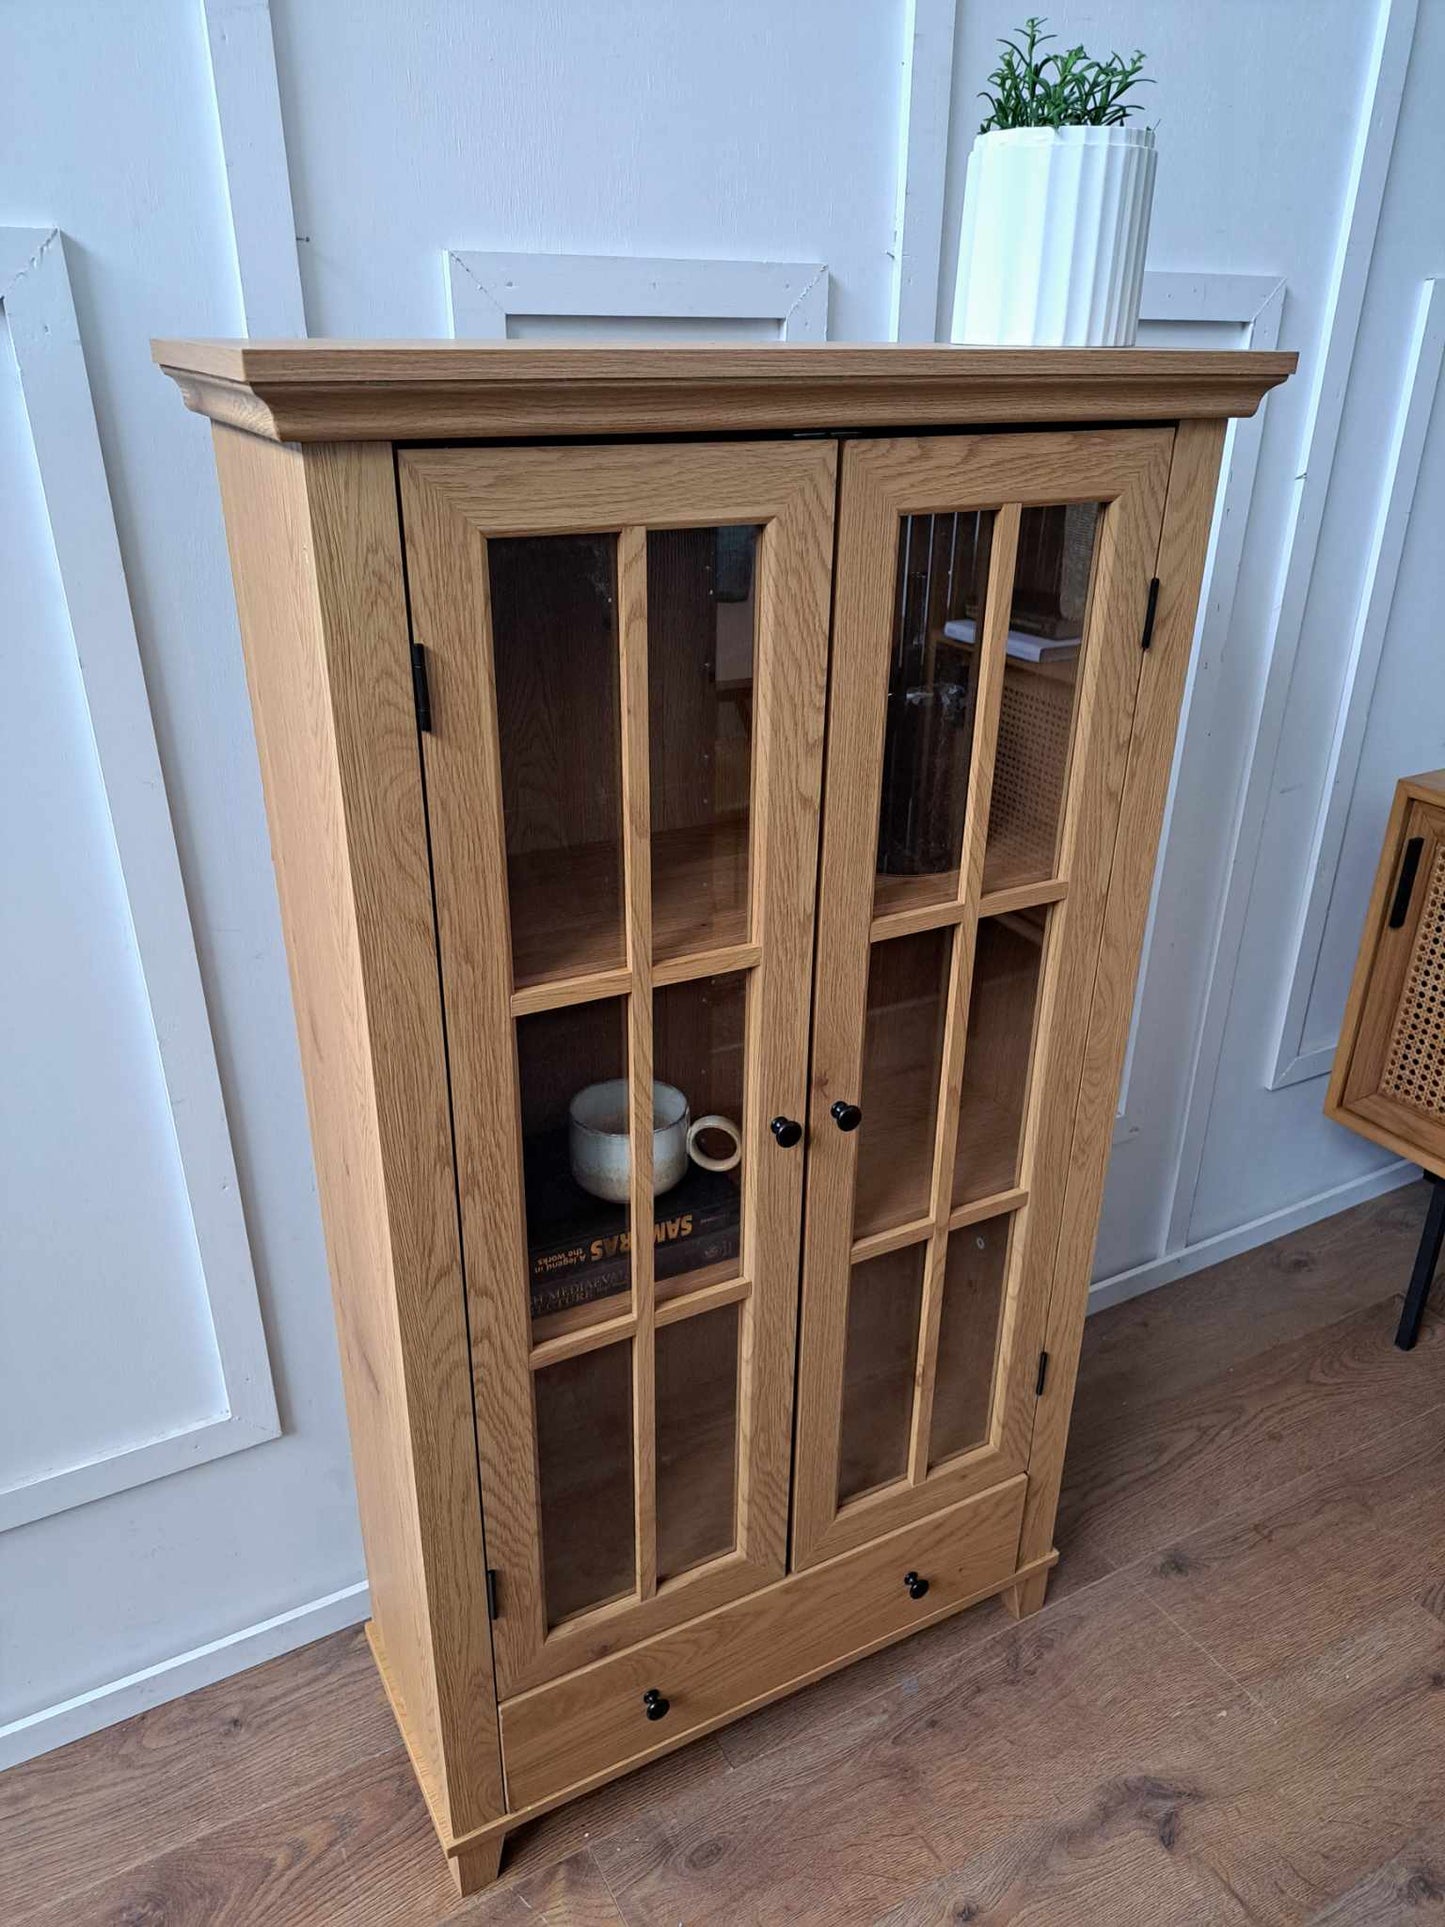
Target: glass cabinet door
[[626, 658], [989, 600]]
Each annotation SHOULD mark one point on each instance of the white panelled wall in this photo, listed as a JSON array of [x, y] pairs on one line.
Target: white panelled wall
[[174, 1473]]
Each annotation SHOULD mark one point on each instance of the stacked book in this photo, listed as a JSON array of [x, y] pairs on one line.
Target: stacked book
[[1021, 647], [579, 1247]]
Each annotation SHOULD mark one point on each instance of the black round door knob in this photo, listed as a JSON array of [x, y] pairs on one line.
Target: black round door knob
[[788, 1131], [847, 1117], [916, 1587], [654, 1705]]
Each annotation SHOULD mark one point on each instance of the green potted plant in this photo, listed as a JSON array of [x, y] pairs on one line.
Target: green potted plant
[[1057, 203]]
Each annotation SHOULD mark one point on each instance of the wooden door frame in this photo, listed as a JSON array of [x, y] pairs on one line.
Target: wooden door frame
[[452, 500], [882, 481], [1183, 548]]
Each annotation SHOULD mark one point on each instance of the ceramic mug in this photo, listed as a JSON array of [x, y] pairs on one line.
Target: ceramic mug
[[600, 1148]]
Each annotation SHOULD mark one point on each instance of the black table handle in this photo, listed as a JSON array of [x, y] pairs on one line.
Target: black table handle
[[846, 1116], [787, 1130], [916, 1587], [654, 1705]]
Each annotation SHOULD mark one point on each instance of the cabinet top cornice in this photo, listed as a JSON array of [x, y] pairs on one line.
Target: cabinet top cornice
[[348, 391]]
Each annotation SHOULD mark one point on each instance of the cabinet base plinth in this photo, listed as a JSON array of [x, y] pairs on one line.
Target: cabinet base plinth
[[476, 1857]]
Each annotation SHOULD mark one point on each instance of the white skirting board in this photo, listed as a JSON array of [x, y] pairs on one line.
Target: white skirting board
[[1244, 1237], [171, 1678], [72, 1719]]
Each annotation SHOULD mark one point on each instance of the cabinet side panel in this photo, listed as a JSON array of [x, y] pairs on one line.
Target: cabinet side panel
[[1183, 546], [317, 567]]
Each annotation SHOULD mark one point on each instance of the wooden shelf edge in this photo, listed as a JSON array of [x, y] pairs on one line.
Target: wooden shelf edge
[[915, 919], [583, 1337], [692, 1304], [1022, 896], [918, 917], [893, 1237], [706, 963], [552, 993], [997, 1206]]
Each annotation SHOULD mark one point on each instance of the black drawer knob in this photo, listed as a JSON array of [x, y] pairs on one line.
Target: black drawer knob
[[916, 1587], [847, 1117], [654, 1705], [788, 1131]]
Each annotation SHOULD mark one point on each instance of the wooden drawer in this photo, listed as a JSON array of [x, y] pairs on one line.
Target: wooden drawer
[[712, 1669]]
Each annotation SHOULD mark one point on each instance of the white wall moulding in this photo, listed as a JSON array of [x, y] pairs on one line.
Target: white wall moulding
[[36, 298], [1296, 1056], [122, 1699], [1173, 305], [488, 291], [1189, 1259], [928, 29], [1326, 370], [253, 149], [1249, 301]]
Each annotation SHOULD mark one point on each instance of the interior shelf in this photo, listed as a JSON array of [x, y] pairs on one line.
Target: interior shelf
[[566, 905]]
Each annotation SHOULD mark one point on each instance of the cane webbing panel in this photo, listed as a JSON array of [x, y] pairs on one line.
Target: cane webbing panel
[[1415, 1061], [1030, 764]]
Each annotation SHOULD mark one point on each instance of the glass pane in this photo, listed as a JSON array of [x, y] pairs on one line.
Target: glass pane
[[554, 644], [698, 1055], [696, 1429], [701, 622], [584, 1467], [1036, 714], [932, 687], [902, 1062], [884, 1296], [973, 1283], [1001, 1012], [572, 1076]]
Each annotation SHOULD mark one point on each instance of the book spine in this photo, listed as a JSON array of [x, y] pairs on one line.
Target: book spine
[[569, 1289], [572, 1275], [708, 1249]]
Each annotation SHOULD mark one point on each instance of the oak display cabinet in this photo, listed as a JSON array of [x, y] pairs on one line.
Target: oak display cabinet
[[774, 738]]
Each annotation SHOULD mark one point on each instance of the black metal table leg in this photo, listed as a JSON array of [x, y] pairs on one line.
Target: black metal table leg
[[1426, 1259]]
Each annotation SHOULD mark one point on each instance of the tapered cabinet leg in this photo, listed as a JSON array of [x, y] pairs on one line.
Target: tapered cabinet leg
[[477, 1866], [1028, 1595], [1426, 1259]]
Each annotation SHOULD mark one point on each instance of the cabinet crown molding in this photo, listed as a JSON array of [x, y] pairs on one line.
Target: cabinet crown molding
[[299, 391]]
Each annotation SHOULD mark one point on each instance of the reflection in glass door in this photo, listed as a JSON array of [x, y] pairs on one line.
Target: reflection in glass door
[[603, 786], [952, 991]]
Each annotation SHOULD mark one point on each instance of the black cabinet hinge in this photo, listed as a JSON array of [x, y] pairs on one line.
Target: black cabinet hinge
[[1149, 607], [492, 1592], [1043, 1374], [420, 687]]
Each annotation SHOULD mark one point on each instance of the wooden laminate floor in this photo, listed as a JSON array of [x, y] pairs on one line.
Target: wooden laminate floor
[[1231, 1709]]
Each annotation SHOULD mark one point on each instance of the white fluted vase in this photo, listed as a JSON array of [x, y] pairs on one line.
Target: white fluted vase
[[1055, 224]]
